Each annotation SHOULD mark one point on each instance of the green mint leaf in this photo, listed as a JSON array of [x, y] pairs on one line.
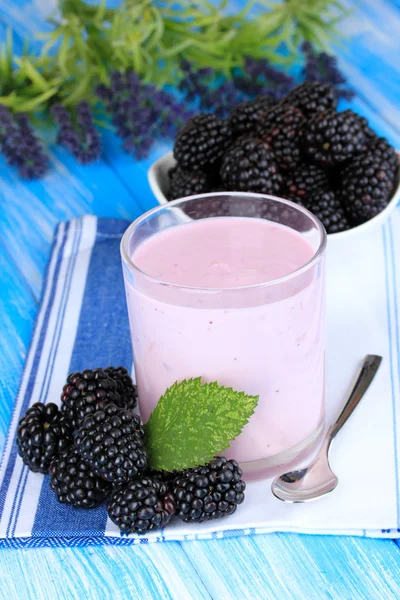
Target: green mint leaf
[[192, 422]]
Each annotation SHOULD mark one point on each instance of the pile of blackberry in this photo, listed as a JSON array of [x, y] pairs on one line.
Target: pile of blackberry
[[94, 451], [301, 148]]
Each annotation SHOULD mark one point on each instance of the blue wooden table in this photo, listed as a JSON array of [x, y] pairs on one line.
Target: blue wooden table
[[276, 566]]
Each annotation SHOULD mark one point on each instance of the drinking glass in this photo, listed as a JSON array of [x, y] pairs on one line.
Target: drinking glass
[[266, 339]]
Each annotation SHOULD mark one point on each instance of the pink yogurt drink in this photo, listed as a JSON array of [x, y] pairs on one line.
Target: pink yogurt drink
[[237, 299]]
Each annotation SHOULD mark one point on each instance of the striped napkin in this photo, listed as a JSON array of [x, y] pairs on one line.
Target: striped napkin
[[83, 323]]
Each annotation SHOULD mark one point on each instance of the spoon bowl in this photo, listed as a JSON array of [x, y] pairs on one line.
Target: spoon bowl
[[306, 484], [317, 479]]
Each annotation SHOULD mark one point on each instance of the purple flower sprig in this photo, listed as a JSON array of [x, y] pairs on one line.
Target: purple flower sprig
[[208, 91], [260, 78], [257, 77], [77, 132], [324, 68], [19, 145], [140, 112], [213, 93]]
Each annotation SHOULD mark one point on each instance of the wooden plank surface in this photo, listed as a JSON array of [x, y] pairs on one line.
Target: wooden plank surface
[[273, 566]]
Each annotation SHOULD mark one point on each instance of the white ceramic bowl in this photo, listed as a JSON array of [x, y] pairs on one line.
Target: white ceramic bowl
[[158, 179]]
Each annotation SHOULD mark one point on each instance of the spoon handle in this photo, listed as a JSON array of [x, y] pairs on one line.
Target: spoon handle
[[368, 370]]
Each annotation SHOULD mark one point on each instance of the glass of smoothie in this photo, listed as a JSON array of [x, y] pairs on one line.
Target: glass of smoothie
[[230, 287]]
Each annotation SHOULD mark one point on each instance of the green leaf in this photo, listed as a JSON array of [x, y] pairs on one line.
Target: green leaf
[[9, 100], [101, 11], [193, 422], [79, 91], [178, 48], [31, 73], [158, 30], [63, 54], [34, 103], [136, 56], [52, 38], [8, 53]]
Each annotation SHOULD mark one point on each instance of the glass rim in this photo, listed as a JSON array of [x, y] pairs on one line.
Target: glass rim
[[307, 265]]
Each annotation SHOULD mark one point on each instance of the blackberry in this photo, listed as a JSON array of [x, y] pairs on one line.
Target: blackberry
[[249, 166], [309, 186], [141, 506], [302, 184], [86, 392], [164, 476], [383, 152], [42, 434], [366, 187], [329, 211], [332, 138], [282, 131], [312, 97], [111, 441], [75, 483], [187, 183], [368, 132], [247, 117], [202, 141], [125, 387], [209, 492]]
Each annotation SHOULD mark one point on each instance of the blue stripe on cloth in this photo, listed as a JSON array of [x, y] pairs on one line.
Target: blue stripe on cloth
[[103, 313], [52, 541], [397, 339], [77, 234], [103, 333], [63, 541], [62, 230], [24, 471], [391, 357], [25, 474], [111, 227]]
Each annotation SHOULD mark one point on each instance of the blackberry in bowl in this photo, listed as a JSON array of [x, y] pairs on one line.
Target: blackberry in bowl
[[202, 141], [303, 149]]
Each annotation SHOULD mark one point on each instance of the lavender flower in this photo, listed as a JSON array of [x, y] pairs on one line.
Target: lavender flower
[[77, 132], [261, 78], [210, 93], [140, 112], [218, 95], [225, 97], [195, 84], [20, 146], [323, 67]]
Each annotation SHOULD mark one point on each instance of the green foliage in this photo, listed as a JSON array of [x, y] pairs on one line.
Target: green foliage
[[152, 37]]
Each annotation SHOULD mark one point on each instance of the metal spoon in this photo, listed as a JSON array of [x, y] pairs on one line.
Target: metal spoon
[[317, 479]]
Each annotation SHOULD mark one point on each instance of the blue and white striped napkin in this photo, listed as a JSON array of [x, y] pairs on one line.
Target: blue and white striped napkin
[[83, 323]]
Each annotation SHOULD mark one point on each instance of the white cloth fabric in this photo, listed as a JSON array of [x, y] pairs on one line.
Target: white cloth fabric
[[363, 298]]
